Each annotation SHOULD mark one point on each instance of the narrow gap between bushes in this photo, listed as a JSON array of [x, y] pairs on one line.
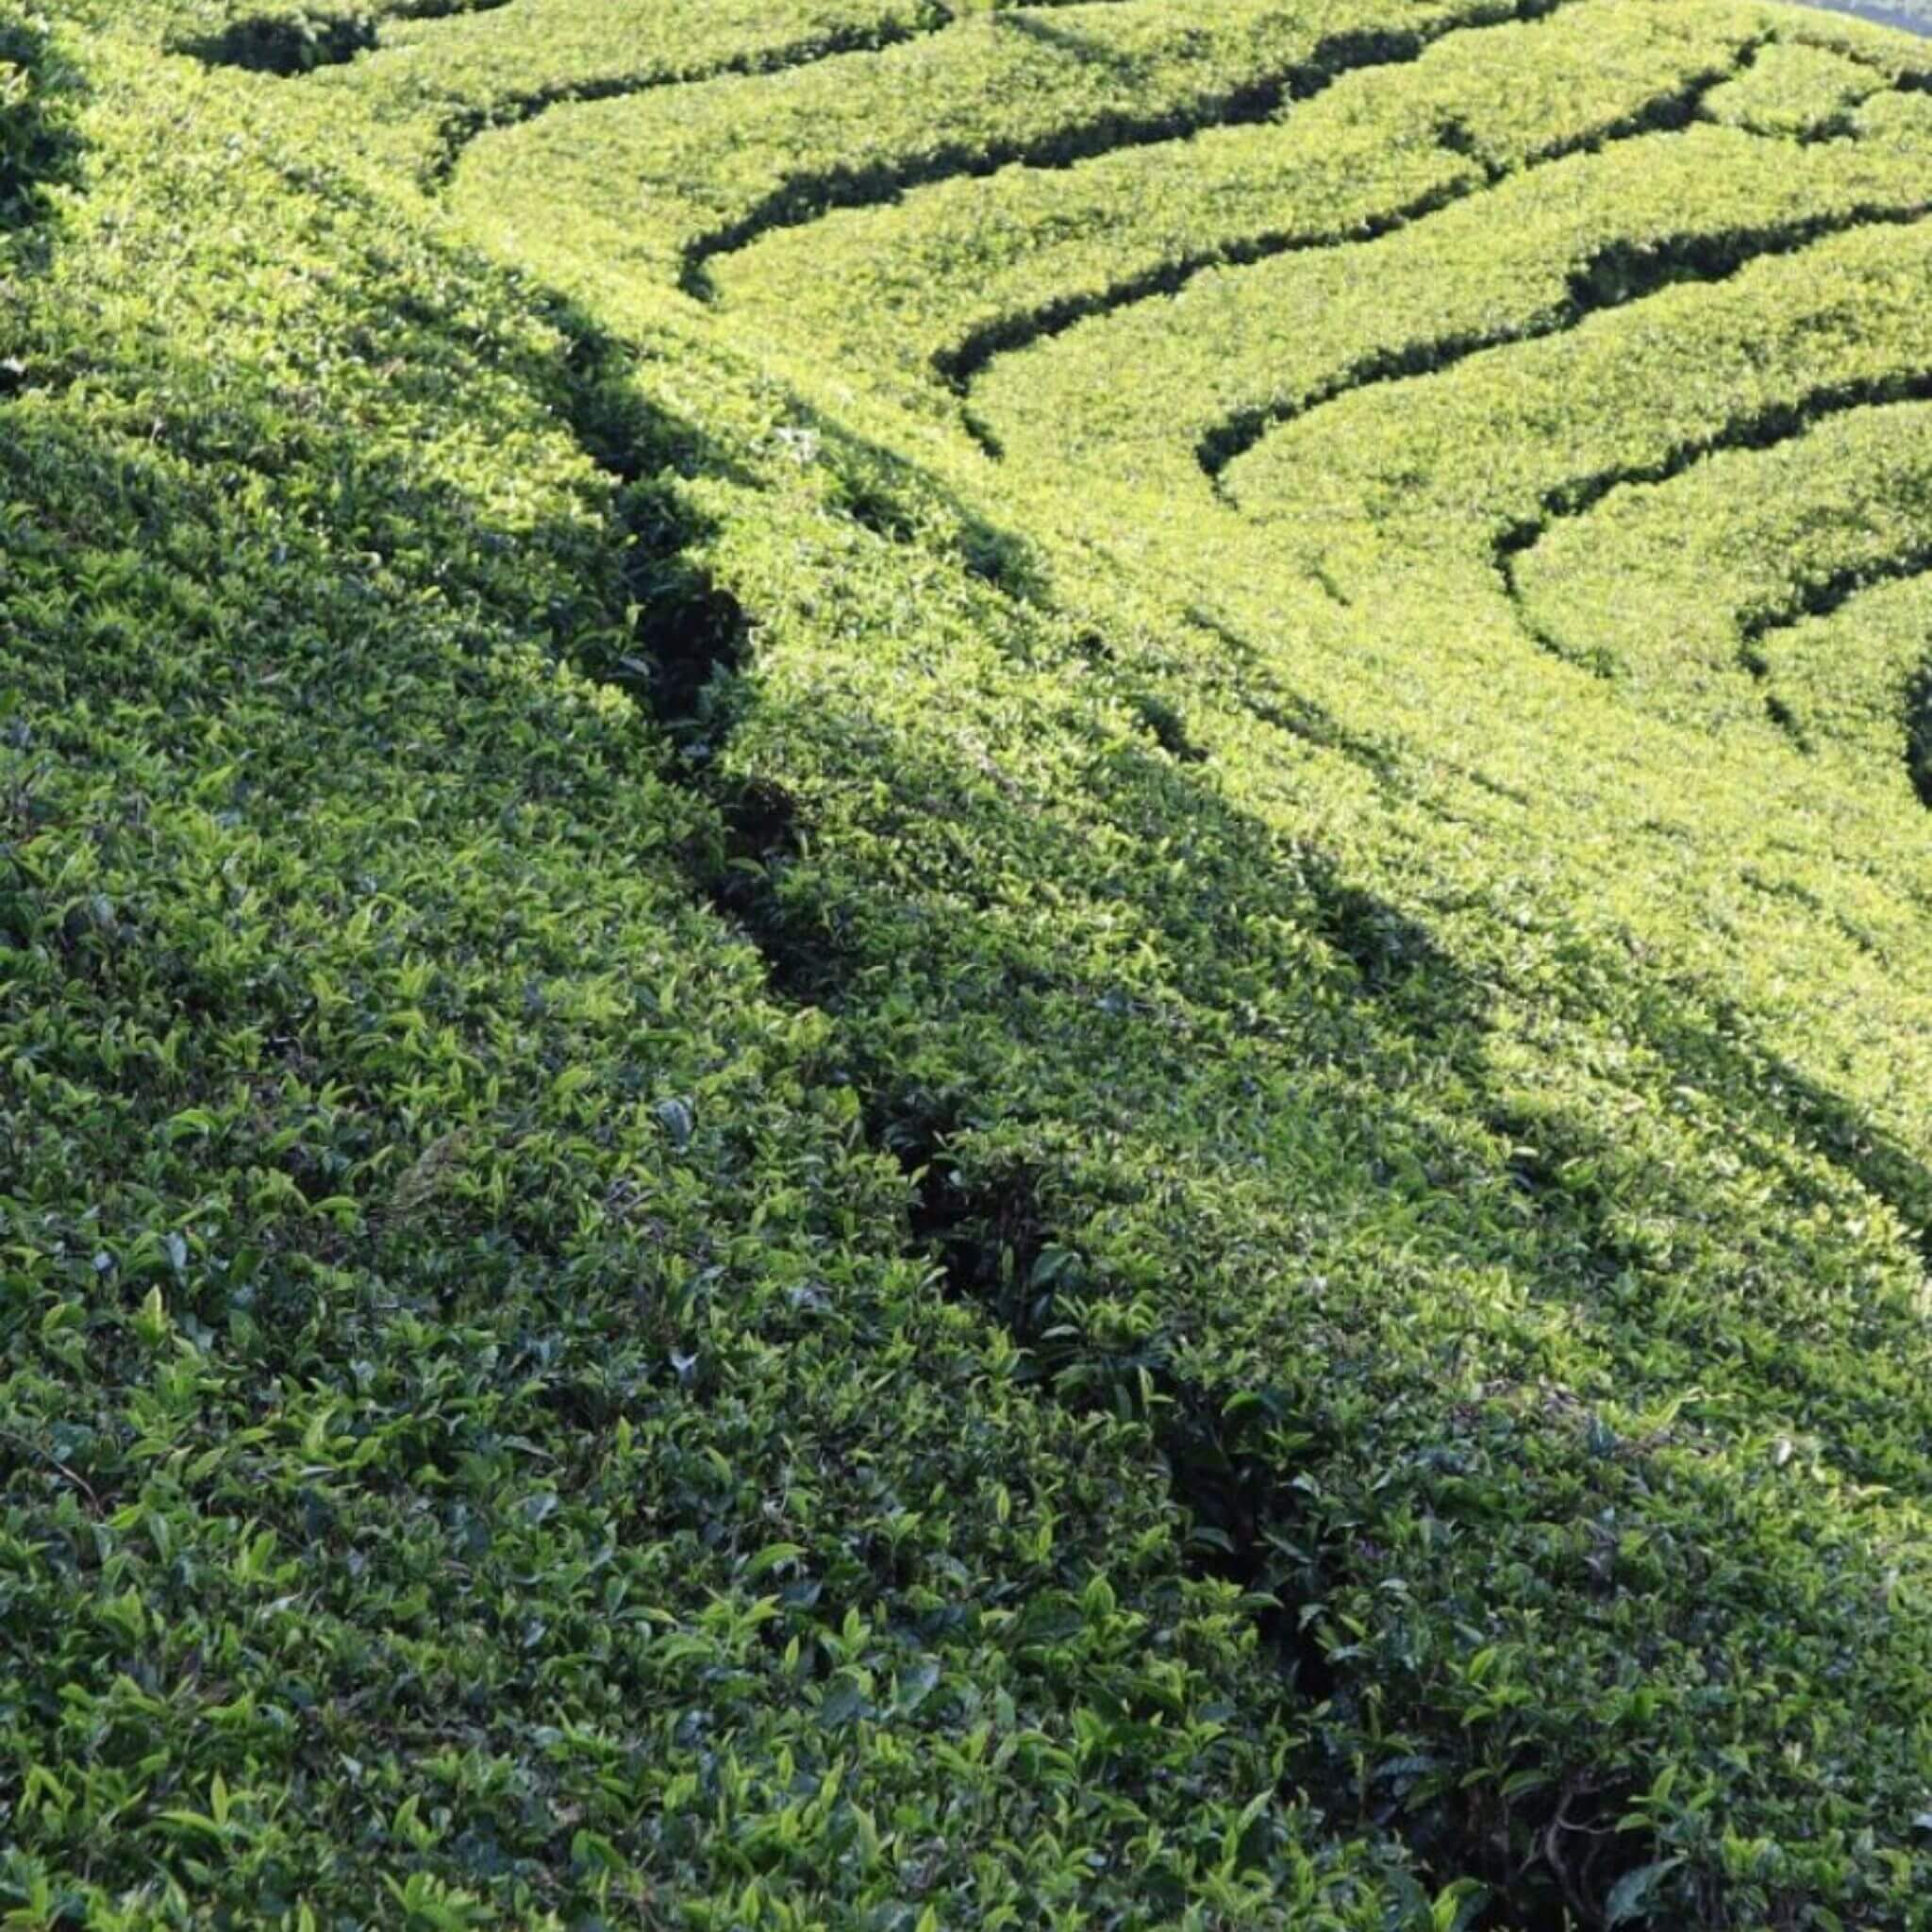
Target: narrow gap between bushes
[[989, 1237]]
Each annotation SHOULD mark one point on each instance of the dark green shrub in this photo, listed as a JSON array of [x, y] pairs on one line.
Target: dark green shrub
[[297, 41], [38, 142]]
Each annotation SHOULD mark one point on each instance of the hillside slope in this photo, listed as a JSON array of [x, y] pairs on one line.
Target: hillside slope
[[965, 966]]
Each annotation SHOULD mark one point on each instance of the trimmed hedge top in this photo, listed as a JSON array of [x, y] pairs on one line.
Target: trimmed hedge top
[[966, 971]]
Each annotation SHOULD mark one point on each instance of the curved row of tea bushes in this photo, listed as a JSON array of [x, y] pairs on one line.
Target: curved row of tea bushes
[[659, 185], [1549, 421], [1668, 838], [952, 274], [1737, 550], [1296, 340], [1798, 90], [1847, 680], [434, 85], [296, 38]]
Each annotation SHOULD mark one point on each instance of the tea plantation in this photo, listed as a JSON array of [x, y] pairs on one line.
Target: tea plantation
[[965, 963]]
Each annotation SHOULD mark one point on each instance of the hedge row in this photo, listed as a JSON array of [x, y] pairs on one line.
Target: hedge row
[[1548, 419], [436, 85], [1742, 551], [1313, 341], [923, 1193], [658, 186], [954, 274]]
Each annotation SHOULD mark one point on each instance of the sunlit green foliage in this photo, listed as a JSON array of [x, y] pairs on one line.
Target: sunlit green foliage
[[433, 87], [1685, 588], [964, 271], [1012, 1010], [661, 184]]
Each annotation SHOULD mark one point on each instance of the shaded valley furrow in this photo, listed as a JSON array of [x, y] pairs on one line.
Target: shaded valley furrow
[[999, 1247], [987, 1241]]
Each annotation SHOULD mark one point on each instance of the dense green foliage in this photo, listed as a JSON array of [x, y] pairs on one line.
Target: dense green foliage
[[36, 137], [965, 966], [955, 272]]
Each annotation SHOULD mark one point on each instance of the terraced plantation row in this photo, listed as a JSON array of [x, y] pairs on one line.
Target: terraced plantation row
[[965, 967], [432, 89]]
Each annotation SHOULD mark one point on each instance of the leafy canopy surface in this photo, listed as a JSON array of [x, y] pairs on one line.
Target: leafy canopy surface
[[965, 966]]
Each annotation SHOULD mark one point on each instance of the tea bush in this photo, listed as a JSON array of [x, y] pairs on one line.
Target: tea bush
[[956, 274], [38, 139], [436, 85], [662, 185], [1777, 540], [1148, 1149], [440, 84]]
